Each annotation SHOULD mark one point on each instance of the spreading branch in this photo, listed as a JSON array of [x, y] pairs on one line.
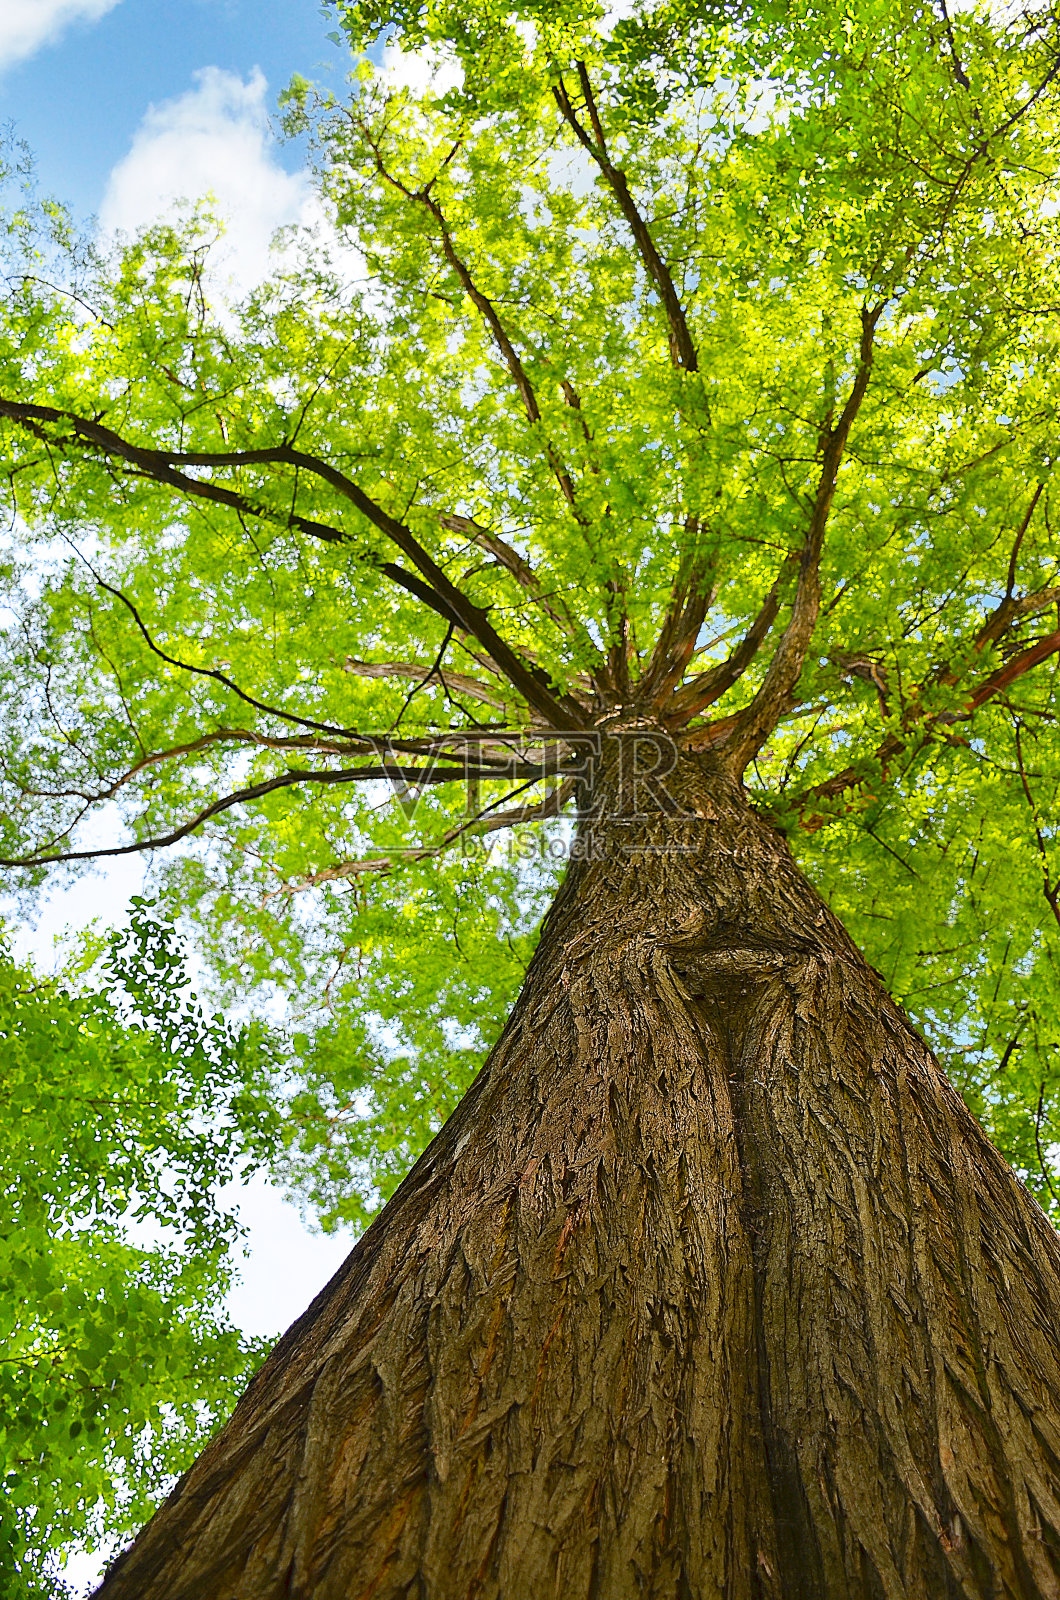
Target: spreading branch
[[919, 725], [701, 691], [690, 599], [1015, 668], [413, 672], [396, 774], [486, 308], [759, 719], [214, 672], [439, 592], [556, 609], [682, 350]]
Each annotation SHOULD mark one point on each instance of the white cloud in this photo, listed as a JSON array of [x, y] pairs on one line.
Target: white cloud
[[214, 141], [25, 25]]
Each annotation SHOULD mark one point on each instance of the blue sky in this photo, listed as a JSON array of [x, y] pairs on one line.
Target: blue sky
[[79, 97]]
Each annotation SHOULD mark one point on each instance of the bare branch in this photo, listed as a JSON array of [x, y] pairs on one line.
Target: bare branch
[[158, 465], [457, 682], [1031, 100], [850, 778], [712, 735], [682, 350], [623, 651], [1038, 1136], [1008, 607], [397, 775]]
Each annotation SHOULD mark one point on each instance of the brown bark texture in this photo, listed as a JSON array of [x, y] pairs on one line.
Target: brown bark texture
[[711, 1287]]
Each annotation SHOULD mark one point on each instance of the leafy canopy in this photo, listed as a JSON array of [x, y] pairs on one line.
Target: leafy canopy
[[125, 1108], [694, 369]]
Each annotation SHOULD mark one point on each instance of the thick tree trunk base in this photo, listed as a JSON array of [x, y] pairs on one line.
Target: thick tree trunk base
[[711, 1287]]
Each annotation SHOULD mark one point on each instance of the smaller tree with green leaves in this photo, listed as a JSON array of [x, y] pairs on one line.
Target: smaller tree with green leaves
[[125, 1109]]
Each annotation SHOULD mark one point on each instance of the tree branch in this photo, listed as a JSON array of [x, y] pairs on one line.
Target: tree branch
[[1005, 676], [159, 466], [759, 718], [410, 672], [435, 773], [1008, 608], [1050, 890], [694, 697], [895, 743], [520, 569], [682, 350], [689, 601], [484, 306], [356, 745], [212, 672], [440, 593]]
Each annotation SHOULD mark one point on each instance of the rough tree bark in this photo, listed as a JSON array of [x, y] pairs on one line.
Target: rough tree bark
[[711, 1287]]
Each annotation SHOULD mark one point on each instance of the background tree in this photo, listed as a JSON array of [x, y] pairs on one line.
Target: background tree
[[698, 386], [125, 1110]]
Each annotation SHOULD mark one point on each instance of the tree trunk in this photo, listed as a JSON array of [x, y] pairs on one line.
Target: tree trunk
[[711, 1287]]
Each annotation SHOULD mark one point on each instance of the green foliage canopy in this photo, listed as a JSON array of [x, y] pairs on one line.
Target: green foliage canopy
[[697, 367], [125, 1108]]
